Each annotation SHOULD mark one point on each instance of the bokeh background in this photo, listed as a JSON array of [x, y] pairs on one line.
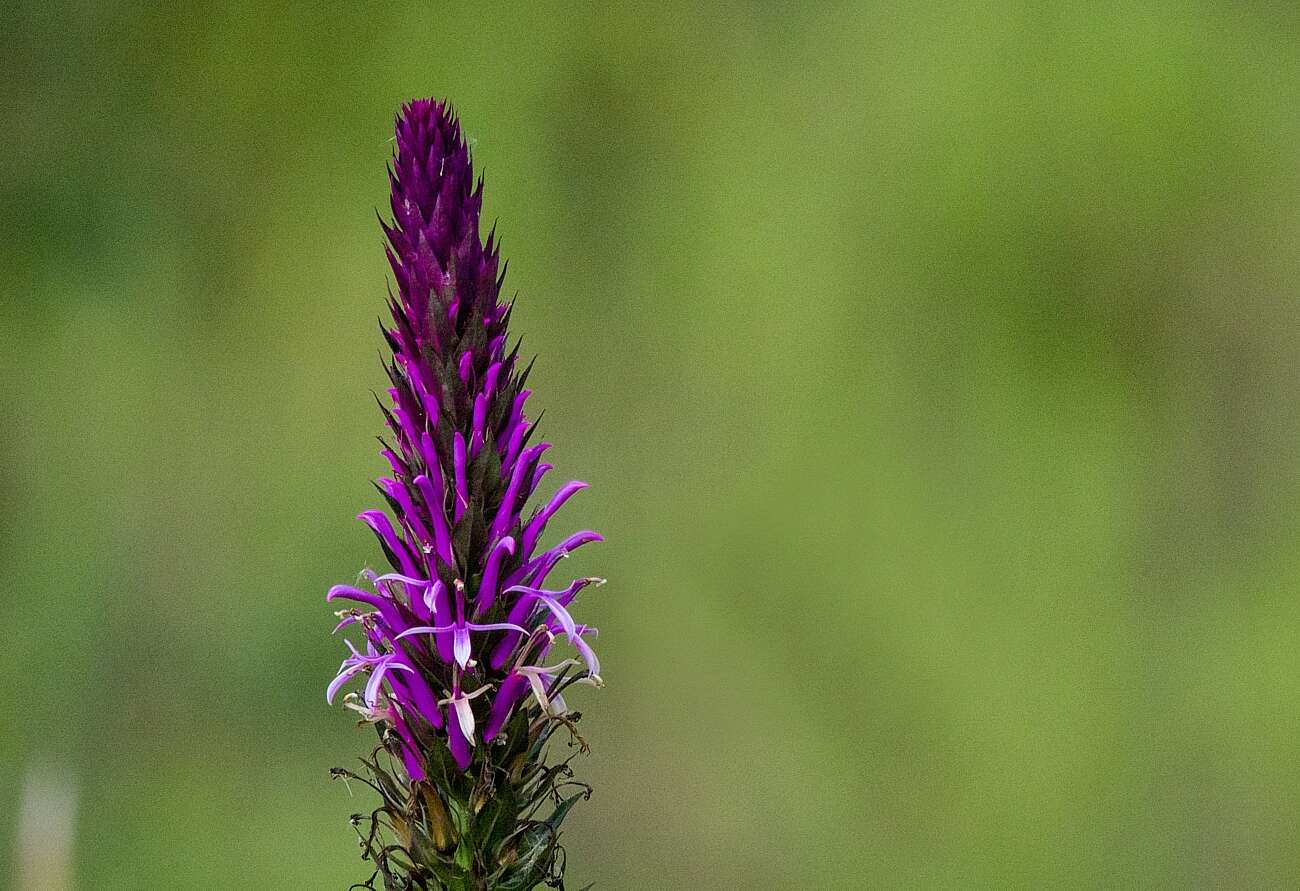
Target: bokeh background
[[934, 366]]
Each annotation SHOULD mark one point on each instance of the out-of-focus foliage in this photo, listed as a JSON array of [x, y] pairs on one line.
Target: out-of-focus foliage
[[934, 368]]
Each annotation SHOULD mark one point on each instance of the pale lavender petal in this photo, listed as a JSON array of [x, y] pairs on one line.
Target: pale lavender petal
[[587, 653], [343, 677], [496, 626], [372, 686], [420, 629]]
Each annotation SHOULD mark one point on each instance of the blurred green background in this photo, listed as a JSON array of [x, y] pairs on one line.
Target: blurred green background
[[934, 367]]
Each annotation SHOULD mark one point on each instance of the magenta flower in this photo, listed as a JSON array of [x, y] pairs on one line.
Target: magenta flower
[[457, 632]]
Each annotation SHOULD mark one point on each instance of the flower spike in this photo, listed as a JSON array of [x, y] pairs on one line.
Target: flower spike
[[463, 607]]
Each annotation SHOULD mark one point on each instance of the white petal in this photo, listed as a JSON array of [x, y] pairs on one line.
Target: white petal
[[460, 646], [465, 714]]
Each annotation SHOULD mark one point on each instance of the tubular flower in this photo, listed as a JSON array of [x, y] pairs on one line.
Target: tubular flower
[[454, 636]]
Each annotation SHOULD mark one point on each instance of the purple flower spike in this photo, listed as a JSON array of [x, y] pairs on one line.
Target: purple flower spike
[[463, 607]]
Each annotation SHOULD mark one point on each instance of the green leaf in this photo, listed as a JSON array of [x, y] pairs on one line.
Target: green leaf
[[562, 809]]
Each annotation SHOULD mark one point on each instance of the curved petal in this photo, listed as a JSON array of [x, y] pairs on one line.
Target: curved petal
[[587, 653], [535, 571], [387, 609], [478, 422], [462, 486], [508, 696], [379, 523], [552, 601], [441, 534], [540, 472], [496, 626], [410, 752], [335, 685], [415, 694], [487, 589], [442, 607], [457, 740], [422, 629], [538, 523], [372, 685], [404, 579]]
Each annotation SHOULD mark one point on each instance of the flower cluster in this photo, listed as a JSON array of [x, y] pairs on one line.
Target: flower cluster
[[457, 637]]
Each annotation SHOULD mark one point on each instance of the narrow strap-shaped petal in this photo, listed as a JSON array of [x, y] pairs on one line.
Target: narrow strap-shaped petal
[[378, 521], [458, 467], [537, 680], [398, 493], [417, 692], [410, 751], [538, 523], [496, 626], [512, 446], [524, 608], [535, 571], [459, 739], [429, 454], [391, 615], [507, 697], [477, 424], [506, 512], [372, 686], [393, 461], [399, 577], [491, 378], [487, 589], [423, 629], [441, 534], [342, 678], [557, 609], [540, 472], [515, 426], [565, 597], [442, 606], [587, 653]]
